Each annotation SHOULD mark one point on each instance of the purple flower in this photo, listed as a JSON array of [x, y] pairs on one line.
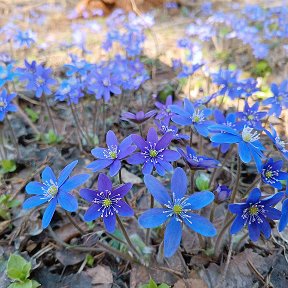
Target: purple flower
[[154, 153], [222, 193], [176, 210], [54, 191], [164, 110], [24, 38], [251, 117], [112, 155], [6, 74], [197, 162], [255, 214], [279, 144], [190, 115], [5, 104], [271, 174], [107, 202], [189, 70], [139, 117]]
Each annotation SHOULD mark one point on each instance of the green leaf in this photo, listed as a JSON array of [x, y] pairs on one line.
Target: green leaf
[[163, 285], [7, 166], [18, 268], [89, 260], [25, 284], [51, 138], [202, 182], [33, 115], [35, 284]]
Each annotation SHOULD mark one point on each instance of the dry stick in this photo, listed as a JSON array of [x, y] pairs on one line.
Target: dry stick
[[49, 113], [82, 232], [14, 139], [126, 236], [26, 119], [86, 134], [77, 128], [3, 153]]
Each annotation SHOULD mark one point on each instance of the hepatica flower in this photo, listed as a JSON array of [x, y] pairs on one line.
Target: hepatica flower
[[6, 74], [107, 202], [176, 210], [197, 162], [271, 173], [6, 104], [112, 155], [139, 117], [222, 193], [24, 38], [190, 115], [277, 141], [54, 190], [251, 116], [279, 98], [255, 214], [248, 142], [164, 110], [164, 127], [154, 153]]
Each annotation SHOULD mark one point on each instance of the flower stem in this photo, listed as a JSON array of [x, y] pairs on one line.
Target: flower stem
[[82, 232], [14, 139], [148, 232], [49, 113], [192, 174], [191, 137], [126, 236]]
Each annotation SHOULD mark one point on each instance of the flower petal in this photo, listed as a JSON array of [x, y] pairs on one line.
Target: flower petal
[[152, 136], [88, 194], [34, 201], [164, 141], [158, 191], [67, 201], [49, 212], [244, 152], [115, 167], [139, 141], [172, 237], [34, 188], [122, 190], [48, 175], [254, 196], [65, 173], [110, 223], [98, 152], [199, 200], [136, 159], [272, 213], [74, 182], [284, 217], [100, 164], [170, 155], [104, 183], [254, 231], [153, 218], [111, 139], [179, 183], [147, 168], [124, 209], [237, 225], [93, 212]]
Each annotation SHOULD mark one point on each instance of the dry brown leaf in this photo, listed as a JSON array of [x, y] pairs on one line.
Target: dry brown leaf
[[101, 274]]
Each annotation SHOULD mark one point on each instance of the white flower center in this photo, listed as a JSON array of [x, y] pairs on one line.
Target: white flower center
[[248, 135]]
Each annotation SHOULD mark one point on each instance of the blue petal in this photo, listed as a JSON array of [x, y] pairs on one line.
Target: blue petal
[[237, 208], [115, 167], [199, 200], [200, 225], [153, 218], [237, 225], [98, 165], [224, 138], [67, 201], [93, 212], [179, 183], [104, 183], [152, 136], [181, 120], [49, 212], [110, 223], [254, 196], [170, 155], [127, 151], [254, 231], [147, 168], [172, 237], [88, 194], [34, 201], [74, 182], [98, 152], [160, 170], [122, 190], [65, 173], [244, 152], [136, 159], [166, 165], [273, 200], [158, 191], [284, 217], [272, 213], [124, 209], [48, 175], [111, 139], [34, 188], [164, 141], [265, 228]]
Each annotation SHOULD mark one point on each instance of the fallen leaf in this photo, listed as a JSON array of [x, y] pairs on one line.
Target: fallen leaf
[[130, 177], [68, 257], [101, 274]]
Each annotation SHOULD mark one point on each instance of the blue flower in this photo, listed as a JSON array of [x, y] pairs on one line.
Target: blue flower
[[154, 153], [54, 191], [251, 117], [39, 79], [190, 115], [279, 99], [197, 162], [279, 144], [249, 87], [78, 67], [139, 117], [5, 104], [229, 121], [24, 38], [228, 81], [248, 144], [107, 202], [6, 74], [222, 193], [176, 210], [271, 174], [112, 155], [255, 213], [189, 70], [164, 110]]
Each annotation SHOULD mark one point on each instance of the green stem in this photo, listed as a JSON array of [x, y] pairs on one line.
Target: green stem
[[126, 236]]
